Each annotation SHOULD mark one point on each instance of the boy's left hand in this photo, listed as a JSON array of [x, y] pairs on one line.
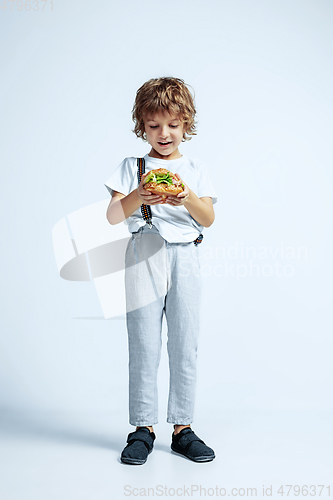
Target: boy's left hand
[[180, 198]]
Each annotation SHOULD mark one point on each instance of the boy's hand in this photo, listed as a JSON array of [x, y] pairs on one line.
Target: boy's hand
[[180, 198], [146, 197]]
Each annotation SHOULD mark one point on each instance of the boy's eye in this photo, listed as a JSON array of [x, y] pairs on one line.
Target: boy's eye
[[156, 126]]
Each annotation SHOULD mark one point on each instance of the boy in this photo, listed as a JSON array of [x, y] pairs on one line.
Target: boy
[[162, 267]]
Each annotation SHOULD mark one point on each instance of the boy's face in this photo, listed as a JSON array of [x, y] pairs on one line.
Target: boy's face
[[164, 133]]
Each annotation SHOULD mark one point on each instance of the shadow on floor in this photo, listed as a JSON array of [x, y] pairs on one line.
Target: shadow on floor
[[61, 427]]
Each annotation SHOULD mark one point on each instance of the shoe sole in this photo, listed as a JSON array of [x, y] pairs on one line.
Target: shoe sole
[[204, 458]]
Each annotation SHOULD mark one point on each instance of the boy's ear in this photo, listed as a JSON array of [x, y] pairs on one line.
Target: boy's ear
[[185, 129], [144, 135]]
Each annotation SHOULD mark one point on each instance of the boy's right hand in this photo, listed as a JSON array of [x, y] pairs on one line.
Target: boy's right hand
[[146, 197]]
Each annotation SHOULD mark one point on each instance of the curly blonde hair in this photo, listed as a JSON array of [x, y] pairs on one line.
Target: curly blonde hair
[[166, 94]]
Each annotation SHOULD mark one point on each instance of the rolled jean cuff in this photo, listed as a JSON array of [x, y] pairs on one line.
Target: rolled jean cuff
[[179, 421], [143, 423]]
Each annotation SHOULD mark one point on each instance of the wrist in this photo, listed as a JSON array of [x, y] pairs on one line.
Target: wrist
[[190, 197], [137, 195]]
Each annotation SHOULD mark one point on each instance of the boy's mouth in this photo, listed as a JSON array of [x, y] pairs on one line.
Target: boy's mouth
[[164, 143]]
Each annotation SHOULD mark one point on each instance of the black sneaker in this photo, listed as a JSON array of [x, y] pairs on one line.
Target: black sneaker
[[187, 443], [140, 444]]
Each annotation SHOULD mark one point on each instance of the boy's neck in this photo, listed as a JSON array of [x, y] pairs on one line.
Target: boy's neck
[[173, 156]]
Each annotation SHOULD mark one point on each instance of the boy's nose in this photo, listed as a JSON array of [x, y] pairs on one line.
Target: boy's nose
[[164, 132]]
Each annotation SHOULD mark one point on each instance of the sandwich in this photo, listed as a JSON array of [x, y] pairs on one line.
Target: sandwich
[[162, 181]]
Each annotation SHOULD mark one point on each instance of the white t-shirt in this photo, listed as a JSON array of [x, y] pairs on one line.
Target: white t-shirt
[[175, 224]]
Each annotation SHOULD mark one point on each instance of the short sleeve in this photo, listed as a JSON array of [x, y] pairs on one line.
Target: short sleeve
[[122, 178], [205, 187]]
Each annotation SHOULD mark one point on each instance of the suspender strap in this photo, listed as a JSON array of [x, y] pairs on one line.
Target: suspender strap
[[145, 209]]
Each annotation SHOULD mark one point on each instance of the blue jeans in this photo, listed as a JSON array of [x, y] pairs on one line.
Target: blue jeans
[[161, 277]]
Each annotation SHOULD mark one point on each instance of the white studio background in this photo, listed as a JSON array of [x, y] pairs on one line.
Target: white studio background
[[262, 74]]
